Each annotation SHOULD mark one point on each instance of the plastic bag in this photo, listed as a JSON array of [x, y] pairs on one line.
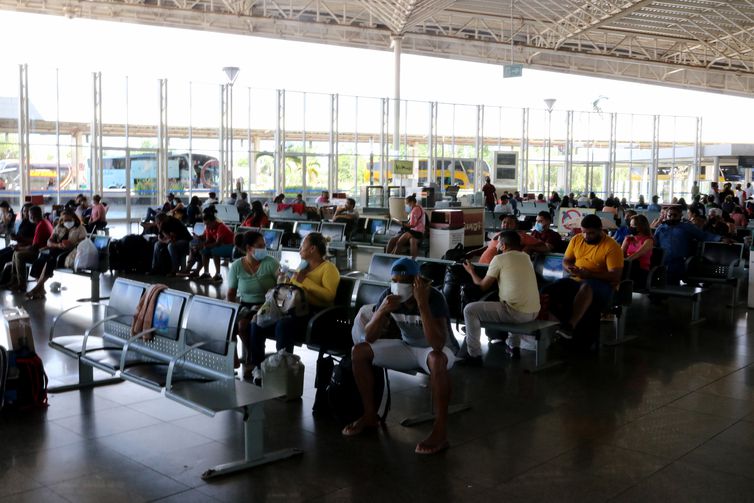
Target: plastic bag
[[87, 256], [269, 313], [283, 373]]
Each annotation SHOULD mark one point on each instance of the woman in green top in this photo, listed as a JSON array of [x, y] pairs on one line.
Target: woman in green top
[[249, 278]]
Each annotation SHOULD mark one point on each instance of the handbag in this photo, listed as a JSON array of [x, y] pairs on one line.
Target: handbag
[[284, 299]]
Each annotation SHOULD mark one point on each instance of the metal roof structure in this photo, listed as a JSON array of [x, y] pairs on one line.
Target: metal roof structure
[[697, 44]]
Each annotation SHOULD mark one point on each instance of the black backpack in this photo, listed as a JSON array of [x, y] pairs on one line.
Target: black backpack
[[133, 253], [30, 387], [343, 394], [456, 254], [455, 277]]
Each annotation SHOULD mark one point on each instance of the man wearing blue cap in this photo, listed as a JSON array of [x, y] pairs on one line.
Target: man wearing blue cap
[[418, 313]]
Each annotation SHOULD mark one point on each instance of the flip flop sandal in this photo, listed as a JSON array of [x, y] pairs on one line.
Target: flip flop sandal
[[428, 451], [351, 431]]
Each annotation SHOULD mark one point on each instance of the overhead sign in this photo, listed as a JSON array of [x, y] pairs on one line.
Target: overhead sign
[[515, 70], [403, 167]]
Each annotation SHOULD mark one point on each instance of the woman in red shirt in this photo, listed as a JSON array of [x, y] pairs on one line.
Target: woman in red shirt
[[257, 217], [637, 248], [218, 243]]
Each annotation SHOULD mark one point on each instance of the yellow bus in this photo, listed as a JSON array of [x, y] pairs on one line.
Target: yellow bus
[[448, 171]]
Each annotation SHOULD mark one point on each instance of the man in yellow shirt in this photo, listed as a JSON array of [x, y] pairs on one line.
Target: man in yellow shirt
[[595, 263]]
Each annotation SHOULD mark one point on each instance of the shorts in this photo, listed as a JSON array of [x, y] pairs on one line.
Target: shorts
[[397, 355], [414, 234]]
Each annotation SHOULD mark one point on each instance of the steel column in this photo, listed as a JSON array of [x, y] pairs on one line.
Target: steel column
[[24, 126], [162, 141], [223, 136], [478, 146], [609, 179], [384, 136], [397, 46], [332, 178], [655, 156], [279, 175], [698, 152], [524, 157], [95, 176], [431, 143]]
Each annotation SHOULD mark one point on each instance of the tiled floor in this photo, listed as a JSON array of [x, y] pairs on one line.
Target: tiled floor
[[667, 417]]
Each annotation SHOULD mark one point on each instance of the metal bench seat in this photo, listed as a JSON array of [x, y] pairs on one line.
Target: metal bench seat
[[541, 330]]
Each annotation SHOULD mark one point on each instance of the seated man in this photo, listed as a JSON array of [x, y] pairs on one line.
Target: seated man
[[507, 223], [513, 273], [167, 206], [595, 263], [504, 206], [545, 234], [348, 215], [27, 254], [174, 236], [678, 239], [414, 310]]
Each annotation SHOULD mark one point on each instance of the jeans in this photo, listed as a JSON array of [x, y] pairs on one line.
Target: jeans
[[284, 332], [224, 251], [177, 251], [499, 312]]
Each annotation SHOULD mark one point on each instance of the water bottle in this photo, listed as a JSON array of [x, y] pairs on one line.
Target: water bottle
[[284, 270]]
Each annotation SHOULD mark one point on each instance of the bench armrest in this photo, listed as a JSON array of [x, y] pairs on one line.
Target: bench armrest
[[181, 355], [96, 324], [124, 351], [60, 316]]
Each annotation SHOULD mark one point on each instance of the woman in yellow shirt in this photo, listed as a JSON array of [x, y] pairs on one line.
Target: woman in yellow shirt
[[319, 280]]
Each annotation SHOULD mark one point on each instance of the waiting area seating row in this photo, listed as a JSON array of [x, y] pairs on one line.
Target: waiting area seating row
[[186, 355]]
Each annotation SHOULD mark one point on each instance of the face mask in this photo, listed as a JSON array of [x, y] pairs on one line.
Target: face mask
[[408, 208], [672, 222], [538, 227], [260, 254], [592, 241], [303, 264], [68, 225], [402, 290]]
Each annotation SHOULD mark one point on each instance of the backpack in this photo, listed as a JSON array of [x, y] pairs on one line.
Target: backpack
[[31, 384], [455, 277], [456, 254], [343, 395], [133, 253]]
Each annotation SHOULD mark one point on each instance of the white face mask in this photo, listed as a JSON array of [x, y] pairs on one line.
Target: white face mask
[[68, 225], [403, 290]]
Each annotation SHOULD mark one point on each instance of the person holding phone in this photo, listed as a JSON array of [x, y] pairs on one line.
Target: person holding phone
[[418, 314]]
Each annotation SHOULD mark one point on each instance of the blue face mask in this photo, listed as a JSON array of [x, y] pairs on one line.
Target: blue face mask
[[303, 264], [408, 208], [538, 227], [260, 254]]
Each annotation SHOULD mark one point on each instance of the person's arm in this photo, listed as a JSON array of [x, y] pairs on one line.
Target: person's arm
[[380, 319], [435, 328], [538, 247], [323, 294], [475, 253], [232, 294], [624, 246], [645, 248], [569, 259], [483, 283]]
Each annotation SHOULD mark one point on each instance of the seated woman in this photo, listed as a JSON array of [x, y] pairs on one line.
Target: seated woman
[[319, 279], [98, 218], [194, 211], [68, 233], [637, 248], [257, 217], [249, 279], [217, 243], [413, 231]]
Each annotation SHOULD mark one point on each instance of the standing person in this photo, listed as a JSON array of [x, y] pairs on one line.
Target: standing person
[[217, 243], [173, 235], [27, 254], [490, 194], [694, 189], [413, 231], [7, 218], [637, 249], [257, 217], [417, 313], [249, 279], [66, 235], [513, 273], [319, 280]]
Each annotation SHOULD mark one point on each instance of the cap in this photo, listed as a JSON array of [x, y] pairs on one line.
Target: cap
[[405, 267]]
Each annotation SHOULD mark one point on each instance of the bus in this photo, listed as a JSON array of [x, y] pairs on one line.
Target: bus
[[43, 176], [448, 171], [204, 174]]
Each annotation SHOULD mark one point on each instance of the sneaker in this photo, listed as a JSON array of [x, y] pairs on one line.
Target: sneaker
[[256, 376], [471, 361], [565, 331]]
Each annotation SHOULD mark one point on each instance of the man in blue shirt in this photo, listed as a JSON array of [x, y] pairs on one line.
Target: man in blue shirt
[[655, 206], [678, 239], [417, 313]]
